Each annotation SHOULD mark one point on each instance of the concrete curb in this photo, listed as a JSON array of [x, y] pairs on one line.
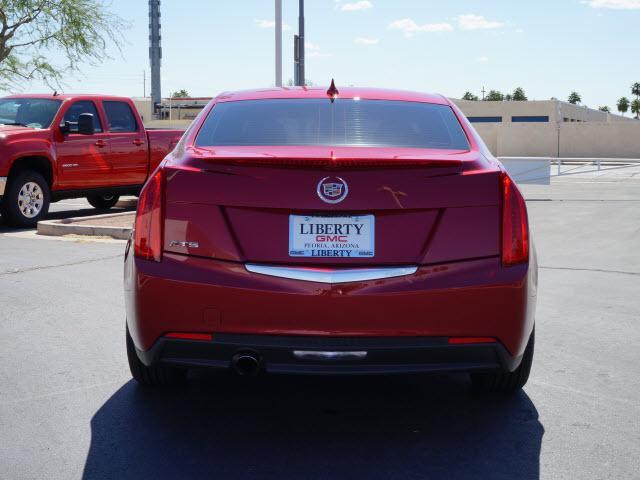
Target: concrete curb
[[67, 226], [127, 203]]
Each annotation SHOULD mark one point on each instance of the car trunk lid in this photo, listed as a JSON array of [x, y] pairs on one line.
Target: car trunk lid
[[424, 206]]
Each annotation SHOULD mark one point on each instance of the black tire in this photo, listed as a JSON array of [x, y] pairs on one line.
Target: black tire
[[153, 375], [19, 213], [103, 202], [506, 382]]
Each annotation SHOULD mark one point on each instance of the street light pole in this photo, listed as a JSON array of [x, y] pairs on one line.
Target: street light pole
[[278, 43], [301, 43]]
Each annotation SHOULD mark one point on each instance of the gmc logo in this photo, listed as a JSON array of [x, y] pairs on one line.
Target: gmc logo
[[331, 238]]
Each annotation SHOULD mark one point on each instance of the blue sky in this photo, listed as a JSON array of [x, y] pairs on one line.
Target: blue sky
[[548, 47]]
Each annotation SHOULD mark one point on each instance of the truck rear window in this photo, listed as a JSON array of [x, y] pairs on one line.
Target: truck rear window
[[346, 122]]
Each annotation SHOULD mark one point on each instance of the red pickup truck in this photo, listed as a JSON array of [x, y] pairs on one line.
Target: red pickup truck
[[65, 146]]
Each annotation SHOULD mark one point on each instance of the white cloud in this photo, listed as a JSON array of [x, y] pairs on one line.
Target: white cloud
[[356, 6], [264, 23], [314, 50], [410, 27], [471, 21], [519, 30], [482, 59], [365, 41], [615, 4]]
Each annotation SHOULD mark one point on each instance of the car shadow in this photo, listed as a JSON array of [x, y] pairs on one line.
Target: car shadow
[[219, 426]]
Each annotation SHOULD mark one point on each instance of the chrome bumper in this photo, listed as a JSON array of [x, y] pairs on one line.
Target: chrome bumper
[[3, 184]]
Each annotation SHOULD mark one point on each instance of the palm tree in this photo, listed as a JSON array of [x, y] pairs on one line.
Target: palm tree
[[623, 105], [470, 96], [635, 90], [574, 98], [604, 108], [635, 107]]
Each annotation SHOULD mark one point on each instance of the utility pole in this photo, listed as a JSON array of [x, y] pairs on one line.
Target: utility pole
[[298, 67], [278, 43], [155, 54], [144, 83], [482, 93]]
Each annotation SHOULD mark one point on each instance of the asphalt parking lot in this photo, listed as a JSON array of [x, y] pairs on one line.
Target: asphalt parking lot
[[68, 408]]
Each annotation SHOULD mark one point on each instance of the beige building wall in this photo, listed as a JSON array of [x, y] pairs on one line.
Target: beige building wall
[[600, 140], [143, 104], [527, 140], [556, 110], [576, 140]]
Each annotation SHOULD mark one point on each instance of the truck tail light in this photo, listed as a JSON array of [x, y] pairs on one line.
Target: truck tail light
[[149, 219], [515, 227]]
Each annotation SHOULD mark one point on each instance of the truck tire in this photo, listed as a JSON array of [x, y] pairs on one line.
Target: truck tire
[[506, 382], [154, 375], [26, 200], [103, 202]]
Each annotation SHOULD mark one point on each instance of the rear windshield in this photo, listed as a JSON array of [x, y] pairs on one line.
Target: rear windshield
[[346, 122]]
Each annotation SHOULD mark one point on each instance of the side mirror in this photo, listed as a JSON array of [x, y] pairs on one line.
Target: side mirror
[[65, 127], [85, 124]]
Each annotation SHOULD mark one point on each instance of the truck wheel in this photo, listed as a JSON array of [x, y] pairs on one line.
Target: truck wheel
[[153, 375], [26, 200], [506, 382], [103, 202]]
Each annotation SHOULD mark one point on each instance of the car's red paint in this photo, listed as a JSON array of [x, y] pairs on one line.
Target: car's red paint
[[439, 210], [82, 162]]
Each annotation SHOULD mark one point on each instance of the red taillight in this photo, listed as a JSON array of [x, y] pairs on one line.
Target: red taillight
[[189, 336], [470, 340], [515, 227], [149, 219]]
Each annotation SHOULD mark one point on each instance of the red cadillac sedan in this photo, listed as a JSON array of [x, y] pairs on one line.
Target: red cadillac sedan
[[314, 231]]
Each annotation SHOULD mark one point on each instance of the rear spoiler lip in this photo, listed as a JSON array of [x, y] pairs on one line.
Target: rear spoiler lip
[[329, 157]]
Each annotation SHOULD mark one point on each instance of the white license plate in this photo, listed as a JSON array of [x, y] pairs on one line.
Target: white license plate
[[344, 237]]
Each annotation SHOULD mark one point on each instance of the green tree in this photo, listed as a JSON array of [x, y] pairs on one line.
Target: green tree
[[180, 94], [33, 32], [604, 108], [635, 107], [623, 105], [508, 97], [470, 96], [635, 90], [494, 96], [519, 95], [574, 98]]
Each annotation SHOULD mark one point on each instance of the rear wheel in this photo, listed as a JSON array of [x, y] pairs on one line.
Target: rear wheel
[[153, 375], [103, 202], [26, 200], [506, 382]]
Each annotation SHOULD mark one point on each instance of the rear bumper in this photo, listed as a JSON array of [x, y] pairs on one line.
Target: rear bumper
[[475, 298], [382, 355]]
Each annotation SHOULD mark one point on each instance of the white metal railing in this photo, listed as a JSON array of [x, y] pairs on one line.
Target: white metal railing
[[538, 169]]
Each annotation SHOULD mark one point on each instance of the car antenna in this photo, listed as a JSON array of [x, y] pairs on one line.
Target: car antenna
[[55, 93], [333, 92]]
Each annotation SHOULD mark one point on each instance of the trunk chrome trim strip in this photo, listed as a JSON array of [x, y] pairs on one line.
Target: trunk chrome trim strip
[[331, 275]]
